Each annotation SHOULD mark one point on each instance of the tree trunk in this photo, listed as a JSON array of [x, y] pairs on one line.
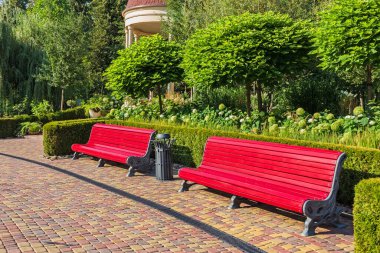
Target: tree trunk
[[370, 92], [361, 97], [62, 98], [160, 98], [271, 98], [248, 87], [259, 97], [351, 105]]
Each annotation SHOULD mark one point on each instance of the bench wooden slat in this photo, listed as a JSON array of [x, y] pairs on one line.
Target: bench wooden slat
[[252, 154], [261, 165], [322, 192], [253, 159], [263, 172], [245, 150], [324, 153], [121, 142]]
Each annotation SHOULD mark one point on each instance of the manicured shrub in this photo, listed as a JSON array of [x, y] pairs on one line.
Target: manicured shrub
[[367, 216], [361, 163], [69, 114], [9, 126], [60, 135]]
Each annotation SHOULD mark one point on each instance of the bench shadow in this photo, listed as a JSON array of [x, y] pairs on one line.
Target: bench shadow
[[230, 239], [60, 243], [289, 214]]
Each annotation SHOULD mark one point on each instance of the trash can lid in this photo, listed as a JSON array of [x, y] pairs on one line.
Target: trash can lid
[[163, 136]]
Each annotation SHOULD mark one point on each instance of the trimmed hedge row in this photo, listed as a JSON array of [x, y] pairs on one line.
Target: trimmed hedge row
[[362, 163], [9, 126], [60, 135], [367, 216], [69, 114]]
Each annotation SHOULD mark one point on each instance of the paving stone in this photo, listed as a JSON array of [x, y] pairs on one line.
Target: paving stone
[[45, 210]]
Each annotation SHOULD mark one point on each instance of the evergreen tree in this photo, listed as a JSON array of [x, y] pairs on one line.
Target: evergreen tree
[[107, 37]]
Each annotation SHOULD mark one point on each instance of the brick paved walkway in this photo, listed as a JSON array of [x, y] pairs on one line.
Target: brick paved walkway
[[72, 206]]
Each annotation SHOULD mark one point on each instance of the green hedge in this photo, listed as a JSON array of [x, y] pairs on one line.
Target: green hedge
[[9, 126], [367, 216], [60, 135], [361, 163], [69, 114]]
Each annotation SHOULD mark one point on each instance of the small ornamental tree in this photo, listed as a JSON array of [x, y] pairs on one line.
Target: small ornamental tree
[[249, 50], [149, 64], [348, 41]]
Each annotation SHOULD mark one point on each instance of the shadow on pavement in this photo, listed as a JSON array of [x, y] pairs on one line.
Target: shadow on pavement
[[232, 240]]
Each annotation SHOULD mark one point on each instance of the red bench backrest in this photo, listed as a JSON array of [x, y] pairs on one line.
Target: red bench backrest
[[121, 137], [302, 169]]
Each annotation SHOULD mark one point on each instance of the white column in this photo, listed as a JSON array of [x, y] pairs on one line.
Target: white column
[[126, 38], [136, 37], [130, 36]]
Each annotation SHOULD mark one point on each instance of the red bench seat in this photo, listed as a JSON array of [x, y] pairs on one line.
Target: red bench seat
[[120, 144], [299, 179]]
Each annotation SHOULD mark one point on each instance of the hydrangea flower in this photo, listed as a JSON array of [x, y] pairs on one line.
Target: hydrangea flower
[[300, 111]]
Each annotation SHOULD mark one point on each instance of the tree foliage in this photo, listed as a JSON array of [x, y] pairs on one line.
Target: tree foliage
[[186, 16], [64, 45], [107, 38], [348, 41], [246, 49], [20, 58], [146, 65]]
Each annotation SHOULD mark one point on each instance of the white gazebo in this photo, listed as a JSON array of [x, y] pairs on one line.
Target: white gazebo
[[143, 17]]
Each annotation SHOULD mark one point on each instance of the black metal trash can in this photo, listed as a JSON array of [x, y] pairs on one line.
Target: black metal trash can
[[164, 162]]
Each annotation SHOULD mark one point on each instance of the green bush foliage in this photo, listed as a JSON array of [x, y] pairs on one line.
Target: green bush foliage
[[347, 41], [362, 130], [361, 163], [41, 108], [247, 50], [60, 135], [367, 216], [9, 126], [29, 128], [149, 64], [69, 114]]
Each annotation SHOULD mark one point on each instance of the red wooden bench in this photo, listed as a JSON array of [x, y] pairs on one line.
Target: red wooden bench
[[299, 179], [120, 144]]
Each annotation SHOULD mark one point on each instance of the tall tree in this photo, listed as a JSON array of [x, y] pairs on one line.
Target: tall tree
[[186, 16], [107, 37], [20, 59], [64, 44], [348, 42], [65, 47]]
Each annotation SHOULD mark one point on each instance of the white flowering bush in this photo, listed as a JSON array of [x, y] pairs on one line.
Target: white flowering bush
[[296, 124]]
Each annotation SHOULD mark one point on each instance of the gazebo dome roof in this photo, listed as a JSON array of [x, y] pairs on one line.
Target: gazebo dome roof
[[132, 4]]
